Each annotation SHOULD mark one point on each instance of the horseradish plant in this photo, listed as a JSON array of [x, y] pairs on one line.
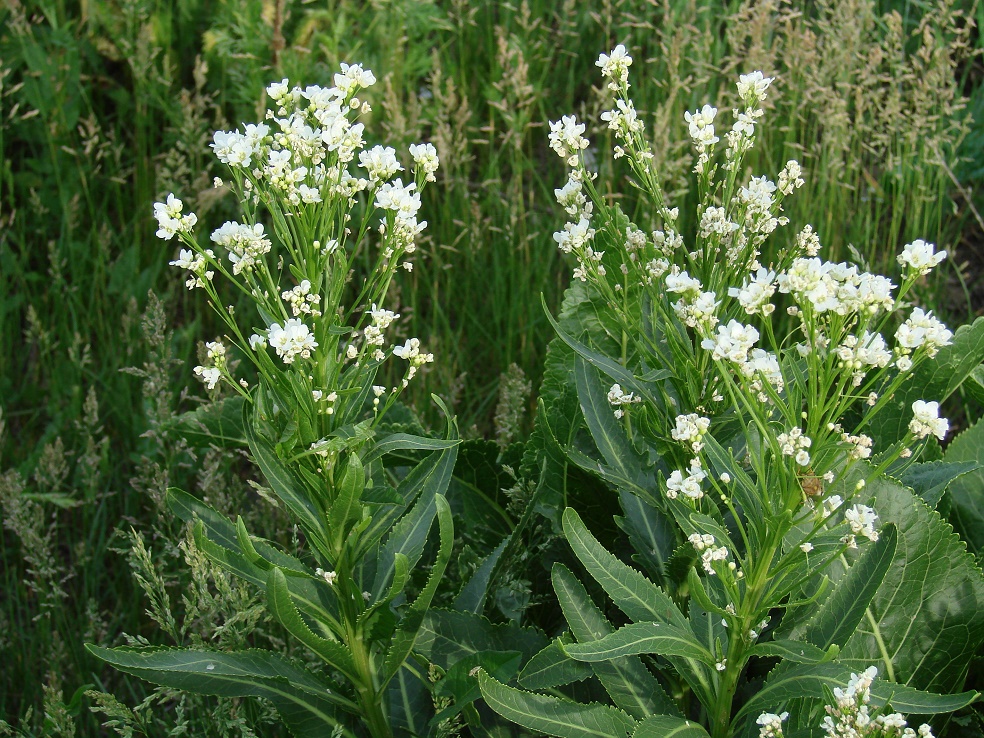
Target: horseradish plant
[[315, 203], [731, 400]]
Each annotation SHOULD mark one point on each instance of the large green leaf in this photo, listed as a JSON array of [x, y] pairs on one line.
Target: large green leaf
[[552, 667], [926, 620], [930, 479], [216, 423], [967, 492], [661, 639], [635, 595], [308, 705], [281, 606], [838, 617], [667, 726], [554, 716], [934, 379], [447, 636], [627, 680]]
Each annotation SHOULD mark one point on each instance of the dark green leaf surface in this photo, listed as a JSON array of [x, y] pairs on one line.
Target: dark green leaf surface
[[552, 667], [967, 492], [555, 716], [661, 639], [930, 479], [927, 617], [666, 726]]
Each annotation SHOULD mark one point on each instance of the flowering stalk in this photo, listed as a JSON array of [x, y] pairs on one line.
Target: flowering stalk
[[768, 377], [314, 201]]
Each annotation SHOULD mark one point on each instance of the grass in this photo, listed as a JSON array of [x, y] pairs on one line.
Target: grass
[[105, 106]]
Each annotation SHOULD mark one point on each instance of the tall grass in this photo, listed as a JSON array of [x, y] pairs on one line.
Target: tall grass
[[107, 104]]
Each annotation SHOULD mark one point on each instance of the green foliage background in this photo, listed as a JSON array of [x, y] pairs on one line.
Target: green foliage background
[[105, 106]]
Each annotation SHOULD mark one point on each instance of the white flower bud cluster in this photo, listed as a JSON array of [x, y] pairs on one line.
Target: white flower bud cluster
[[701, 127], [732, 342], [790, 178], [856, 354], [196, 264], [807, 241], [623, 120], [380, 162], [410, 351], [691, 429], [704, 545], [756, 292], [922, 330], [795, 443], [926, 420], [688, 486], [301, 300], [425, 159]]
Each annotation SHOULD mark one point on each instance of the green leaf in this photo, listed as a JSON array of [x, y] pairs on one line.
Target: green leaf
[[799, 652], [967, 492], [345, 509], [447, 636], [552, 667], [934, 379], [473, 594], [552, 715], [661, 639], [627, 680], [284, 482], [666, 726], [636, 596], [308, 705], [407, 442], [926, 620], [281, 606], [651, 532], [217, 423], [461, 683], [844, 608], [930, 479]]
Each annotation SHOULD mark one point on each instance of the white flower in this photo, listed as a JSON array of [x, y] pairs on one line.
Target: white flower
[[806, 547], [790, 177], [756, 292], [210, 375], [426, 160], [245, 243], [920, 256], [399, 199], [922, 329], [291, 340], [170, 220], [691, 429], [352, 78], [615, 66], [752, 87], [688, 486], [926, 420], [862, 520], [732, 342], [771, 724], [715, 221], [701, 125], [410, 351], [380, 162], [617, 398], [566, 138]]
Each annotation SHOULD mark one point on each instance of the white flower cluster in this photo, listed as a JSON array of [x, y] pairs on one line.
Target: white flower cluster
[[615, 68], [618, 398], [704, 544], [691, 429], [245, 243], [824, 286], [567, 139], [373, 333], [688, 486], [426, 160], [380, 162], [701, 126], [291, 340], [771, 724], [403, 202], [856, 354], [861, 520], [212, 373], [791, 177], [695, 308], [170, 219], [196, 264], [752, 90], [301, 300], [795, 443], [410, 351], [732, 342], [756, 292], [919, 257], [922, 330], [849, 717], [926, 420]]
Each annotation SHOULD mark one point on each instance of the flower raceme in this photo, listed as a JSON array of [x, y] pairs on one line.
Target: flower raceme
[[302, 176]]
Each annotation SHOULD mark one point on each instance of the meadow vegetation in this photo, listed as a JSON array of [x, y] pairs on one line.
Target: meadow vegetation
[[107, 106]]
